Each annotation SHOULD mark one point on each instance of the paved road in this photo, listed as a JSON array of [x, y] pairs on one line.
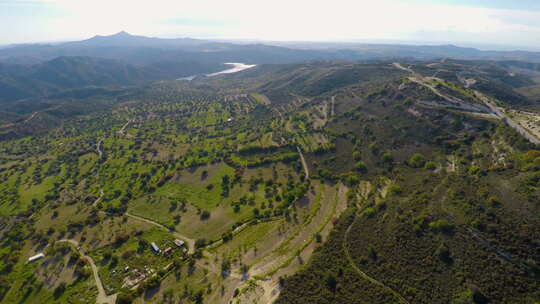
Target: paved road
[[500, 113], [102, 297], [456, 102]]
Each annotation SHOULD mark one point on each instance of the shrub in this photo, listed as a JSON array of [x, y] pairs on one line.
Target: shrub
[[442, 225], [58, 291], [227, 236], [493, 201], [394, 190], [430, 165], [387, 158], [474, 169], [199, 243], [361, 167], [443, 253], [205, 215], [369, 212], [331, 282], [374, 148], [417, 160], [124, 298]]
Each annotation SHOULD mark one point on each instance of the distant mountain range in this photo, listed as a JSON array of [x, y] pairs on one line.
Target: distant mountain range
[[38, 70]]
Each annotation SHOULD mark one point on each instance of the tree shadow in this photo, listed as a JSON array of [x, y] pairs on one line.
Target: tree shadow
[[151, 292]]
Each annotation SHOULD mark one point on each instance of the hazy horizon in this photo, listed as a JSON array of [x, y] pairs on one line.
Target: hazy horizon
[[481, 24], [320, 44]]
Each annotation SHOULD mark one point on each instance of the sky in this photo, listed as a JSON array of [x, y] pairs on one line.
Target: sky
[[478, 22]]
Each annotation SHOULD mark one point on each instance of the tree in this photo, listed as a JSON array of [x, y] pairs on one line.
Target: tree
[[199, 243], [331, 282], [143, 244], [58, 291], [124, 298], [442, 225], [387, 158], [443, 253], [361, 167], [205, 215], [417, 160], [430, 166]]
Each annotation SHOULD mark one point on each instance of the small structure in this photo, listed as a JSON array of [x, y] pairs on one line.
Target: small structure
[[167, 250], [35, 257], [155, 247], [179, 243]]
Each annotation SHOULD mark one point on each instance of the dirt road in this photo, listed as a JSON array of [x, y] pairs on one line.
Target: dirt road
[[102, 297], [100, 153], [304, 163], [122, 131], [98, 199], [351, 261], [399, 66]]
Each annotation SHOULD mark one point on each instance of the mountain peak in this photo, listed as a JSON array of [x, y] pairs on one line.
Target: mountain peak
[[122, 34]]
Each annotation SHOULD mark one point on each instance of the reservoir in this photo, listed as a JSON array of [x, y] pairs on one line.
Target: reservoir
[[236, 67]]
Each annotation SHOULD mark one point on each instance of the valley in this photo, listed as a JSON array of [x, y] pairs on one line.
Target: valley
[[317, 182]]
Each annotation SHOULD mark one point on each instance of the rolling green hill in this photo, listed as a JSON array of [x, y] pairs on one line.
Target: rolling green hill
[[323, 182]]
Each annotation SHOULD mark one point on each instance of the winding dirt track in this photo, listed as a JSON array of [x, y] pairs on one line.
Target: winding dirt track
[[102, 297], [31, 117], [98, 199], [304, 164], [333, 108], [99, 148], [359, 271]]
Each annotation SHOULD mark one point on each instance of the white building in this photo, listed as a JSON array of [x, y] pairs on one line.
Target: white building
[[155, 247], [36, 257]]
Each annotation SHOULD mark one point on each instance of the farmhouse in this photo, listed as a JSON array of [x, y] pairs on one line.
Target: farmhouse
[[155, 247], [179, 243], [167, 251], [35, 257]]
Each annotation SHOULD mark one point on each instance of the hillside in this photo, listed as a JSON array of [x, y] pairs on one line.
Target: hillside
[[324, 182], [65, 73], [122, 59]]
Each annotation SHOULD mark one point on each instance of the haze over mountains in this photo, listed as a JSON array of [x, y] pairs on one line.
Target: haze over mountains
[[38, 70]]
